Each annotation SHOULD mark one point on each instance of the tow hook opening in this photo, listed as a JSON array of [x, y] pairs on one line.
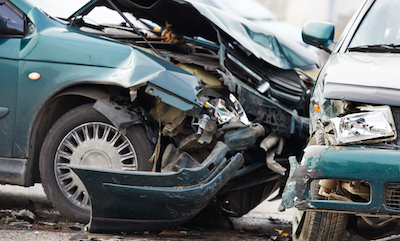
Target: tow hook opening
[[358, 191]]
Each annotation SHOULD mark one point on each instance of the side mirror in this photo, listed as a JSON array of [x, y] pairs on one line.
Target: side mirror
[[319, 34]]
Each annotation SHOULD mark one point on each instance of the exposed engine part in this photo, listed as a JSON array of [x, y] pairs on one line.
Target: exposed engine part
[[204, 78], [190, 143], [356, 188], [243, 138], [234, 124], [273, 165], [327, 186], [207, 128], [270, 141], [335, 197], [170, 37], [328, 189], [267, 144], [169, 116], [174, 159], [223, 113], [201, 123]]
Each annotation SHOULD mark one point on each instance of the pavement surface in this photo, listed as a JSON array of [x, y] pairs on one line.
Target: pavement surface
[[262, 223]]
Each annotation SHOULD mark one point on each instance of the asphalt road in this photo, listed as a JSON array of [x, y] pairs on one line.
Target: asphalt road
[[263, 223]]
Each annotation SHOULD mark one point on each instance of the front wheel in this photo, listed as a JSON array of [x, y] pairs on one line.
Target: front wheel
[[315, 226], [83, 137]]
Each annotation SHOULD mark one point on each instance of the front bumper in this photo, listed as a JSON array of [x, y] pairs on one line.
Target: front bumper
[[153, 201], [379, 167]]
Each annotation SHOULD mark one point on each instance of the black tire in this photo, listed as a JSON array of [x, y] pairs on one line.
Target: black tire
[[318, 226], [84, 137]]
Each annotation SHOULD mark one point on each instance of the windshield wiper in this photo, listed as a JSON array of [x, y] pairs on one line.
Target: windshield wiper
[[377, 48], [134, 27]]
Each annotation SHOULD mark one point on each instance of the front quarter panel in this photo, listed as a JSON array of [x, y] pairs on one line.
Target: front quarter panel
[[64, 57]]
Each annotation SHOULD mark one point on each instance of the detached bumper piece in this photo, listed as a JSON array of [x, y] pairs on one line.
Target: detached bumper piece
[[149, 201]]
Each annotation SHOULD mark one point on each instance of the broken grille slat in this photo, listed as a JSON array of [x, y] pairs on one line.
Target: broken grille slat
[[396, 117], [392, 196]]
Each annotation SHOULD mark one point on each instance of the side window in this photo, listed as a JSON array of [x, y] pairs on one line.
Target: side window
[[12, 22]]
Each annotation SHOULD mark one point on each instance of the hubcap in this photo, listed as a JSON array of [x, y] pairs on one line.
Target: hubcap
[[94, 145]]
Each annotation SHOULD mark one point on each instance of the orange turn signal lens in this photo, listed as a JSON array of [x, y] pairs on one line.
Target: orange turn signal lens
[[316, 108]]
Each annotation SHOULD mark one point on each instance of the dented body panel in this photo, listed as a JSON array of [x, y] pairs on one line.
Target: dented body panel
[[376, 166]]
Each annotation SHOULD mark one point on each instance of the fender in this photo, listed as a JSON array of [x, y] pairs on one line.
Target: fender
[[122, 118]]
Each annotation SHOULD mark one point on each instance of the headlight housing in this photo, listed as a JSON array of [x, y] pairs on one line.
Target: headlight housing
[[373, 125]]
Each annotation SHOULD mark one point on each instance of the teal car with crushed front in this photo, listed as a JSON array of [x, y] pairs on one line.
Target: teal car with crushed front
[[159, 106], [349, 177]]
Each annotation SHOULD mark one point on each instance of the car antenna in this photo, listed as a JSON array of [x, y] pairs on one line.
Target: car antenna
[[134, 27]]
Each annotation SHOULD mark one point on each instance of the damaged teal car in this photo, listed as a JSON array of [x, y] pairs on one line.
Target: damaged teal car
[[349, 177], [137, 114]]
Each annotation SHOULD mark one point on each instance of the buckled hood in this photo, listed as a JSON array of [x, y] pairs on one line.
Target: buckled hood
[[196, 19], [364, 77]]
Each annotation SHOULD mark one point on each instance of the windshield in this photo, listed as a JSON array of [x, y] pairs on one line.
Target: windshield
[[59, 8], [380, 26], [110, 22]]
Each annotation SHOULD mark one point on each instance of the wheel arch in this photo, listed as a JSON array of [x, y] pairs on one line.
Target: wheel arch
[[53, 109]]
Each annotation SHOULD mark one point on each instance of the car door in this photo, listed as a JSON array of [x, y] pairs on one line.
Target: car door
[[12, 29]]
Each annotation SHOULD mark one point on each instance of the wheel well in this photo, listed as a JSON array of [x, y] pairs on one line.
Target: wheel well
[[51, 111]]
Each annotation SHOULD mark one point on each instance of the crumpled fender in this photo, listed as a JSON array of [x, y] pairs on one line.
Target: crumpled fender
[[299, 176]]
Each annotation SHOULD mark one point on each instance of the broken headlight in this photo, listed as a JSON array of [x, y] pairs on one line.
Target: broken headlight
[[374, 124]]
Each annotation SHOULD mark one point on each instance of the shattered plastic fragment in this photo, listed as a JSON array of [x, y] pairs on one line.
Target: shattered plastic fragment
[[290, 192], [269, 142], [46, 223], [76, 227], [226, 114], [239, 109], [21, 224], [26, 215], [223, 114], [295, 189]]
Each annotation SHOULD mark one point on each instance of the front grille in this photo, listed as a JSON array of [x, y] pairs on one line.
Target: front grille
[[392, 196]]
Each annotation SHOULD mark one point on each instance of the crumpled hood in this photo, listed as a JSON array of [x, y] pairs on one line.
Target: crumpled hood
[[196, 19], [364, 77]]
